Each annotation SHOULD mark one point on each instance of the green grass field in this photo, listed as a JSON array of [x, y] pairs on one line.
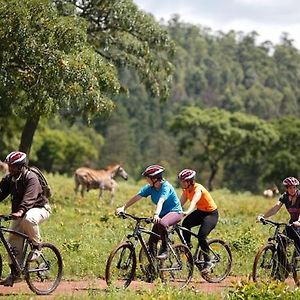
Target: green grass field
[[86, 230]]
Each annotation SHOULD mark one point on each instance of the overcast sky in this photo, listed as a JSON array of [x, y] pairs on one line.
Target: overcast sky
[[269, 18]]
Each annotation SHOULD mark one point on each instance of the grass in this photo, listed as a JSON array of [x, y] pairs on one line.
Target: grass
[[86, 230]]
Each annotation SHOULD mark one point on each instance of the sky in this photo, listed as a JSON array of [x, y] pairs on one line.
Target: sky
[[269, 18]]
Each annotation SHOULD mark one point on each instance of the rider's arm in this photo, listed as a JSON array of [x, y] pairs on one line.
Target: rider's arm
[[272, 211], [194, 201], [132, 201], [183, 199], [4, 188], [159, 206]]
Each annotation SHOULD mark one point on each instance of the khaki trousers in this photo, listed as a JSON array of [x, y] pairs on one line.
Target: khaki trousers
[[28, 224]]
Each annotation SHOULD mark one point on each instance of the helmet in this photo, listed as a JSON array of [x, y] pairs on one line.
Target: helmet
[[16, 158], [153, 171], [186, 174], [290, 181]]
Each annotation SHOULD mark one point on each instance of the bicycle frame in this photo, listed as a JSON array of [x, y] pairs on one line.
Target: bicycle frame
[[137, 235], [8, 248], [277, 241], [179, 229]]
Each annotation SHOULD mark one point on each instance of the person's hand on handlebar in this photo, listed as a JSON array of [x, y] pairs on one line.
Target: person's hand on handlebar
[[18, 214], [120, 210], [260, 218], [296, 224], [156, 218]]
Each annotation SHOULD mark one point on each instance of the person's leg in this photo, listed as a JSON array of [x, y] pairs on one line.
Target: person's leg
[[192, 220], [294, 234], [153, 239], [208, 224], [30, 223], [168, 220]]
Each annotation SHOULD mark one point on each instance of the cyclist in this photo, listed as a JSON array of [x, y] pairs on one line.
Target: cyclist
[[202, 211], [29, 208], [168, 209], [291, 199]]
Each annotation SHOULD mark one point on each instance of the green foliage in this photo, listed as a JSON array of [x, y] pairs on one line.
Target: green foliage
[[219, 136], [268, 291], [46, 63], [63, 151]]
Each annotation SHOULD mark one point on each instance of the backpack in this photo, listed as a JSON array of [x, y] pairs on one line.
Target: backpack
[[43, 181]]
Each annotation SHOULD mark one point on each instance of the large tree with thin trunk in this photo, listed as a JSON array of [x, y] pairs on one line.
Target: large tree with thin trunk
[[214, 136], [54, 61]]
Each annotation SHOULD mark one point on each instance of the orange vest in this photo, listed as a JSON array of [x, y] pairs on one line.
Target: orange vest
[[206, 202]]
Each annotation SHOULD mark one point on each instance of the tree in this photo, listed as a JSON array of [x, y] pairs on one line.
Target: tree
[[48, 66], [213, 136], [284, 158], [128, 37]]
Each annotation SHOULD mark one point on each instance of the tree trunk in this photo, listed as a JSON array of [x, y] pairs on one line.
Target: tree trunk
[[27, 134], [214, 169]]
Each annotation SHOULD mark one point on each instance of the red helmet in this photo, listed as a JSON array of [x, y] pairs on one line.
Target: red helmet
[[186, 174], [290, 181], [153, 171], [16, 158]]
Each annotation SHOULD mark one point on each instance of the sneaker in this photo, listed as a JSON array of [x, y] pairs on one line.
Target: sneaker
[[10, 280], [163, 255], [35, 255], [207, 267]]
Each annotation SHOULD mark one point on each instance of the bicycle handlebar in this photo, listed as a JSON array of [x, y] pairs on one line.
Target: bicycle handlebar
[[266, 221], [138, 219], [5, 218]]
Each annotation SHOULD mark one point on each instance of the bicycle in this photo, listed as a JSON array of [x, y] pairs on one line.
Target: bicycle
[[219, 252], [276, 259], [121, 265], [42, 275]]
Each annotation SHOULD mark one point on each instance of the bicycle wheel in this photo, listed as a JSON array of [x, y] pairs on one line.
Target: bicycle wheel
[[265, 266], [44, 274], [120, 266], [221, 258], [177, 269]]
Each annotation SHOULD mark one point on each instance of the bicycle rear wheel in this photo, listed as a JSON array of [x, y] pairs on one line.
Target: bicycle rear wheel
[[265, 266], [44, 274], [120, 266], [177, 269], [221, 259]]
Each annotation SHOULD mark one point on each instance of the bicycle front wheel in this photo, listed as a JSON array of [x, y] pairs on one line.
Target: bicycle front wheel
[[177, 269], [221, 259], [44, 274], [120, 266], [265, 266]]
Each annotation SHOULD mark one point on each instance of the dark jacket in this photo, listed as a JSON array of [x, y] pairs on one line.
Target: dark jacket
[[26, 192]]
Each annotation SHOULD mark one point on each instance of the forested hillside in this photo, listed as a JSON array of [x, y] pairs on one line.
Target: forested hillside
[[227, 90]]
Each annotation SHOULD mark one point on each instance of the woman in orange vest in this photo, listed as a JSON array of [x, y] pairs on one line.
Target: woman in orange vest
[[206, 213]]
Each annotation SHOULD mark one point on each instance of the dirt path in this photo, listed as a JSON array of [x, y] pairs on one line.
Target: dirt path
[[84, 287]]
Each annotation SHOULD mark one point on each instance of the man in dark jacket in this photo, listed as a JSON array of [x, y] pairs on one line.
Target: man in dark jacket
[[29, 208]]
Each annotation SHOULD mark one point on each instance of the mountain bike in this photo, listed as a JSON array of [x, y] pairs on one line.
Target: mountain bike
[[278, 258], [42, 275], [177, 269], [219, 253]]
